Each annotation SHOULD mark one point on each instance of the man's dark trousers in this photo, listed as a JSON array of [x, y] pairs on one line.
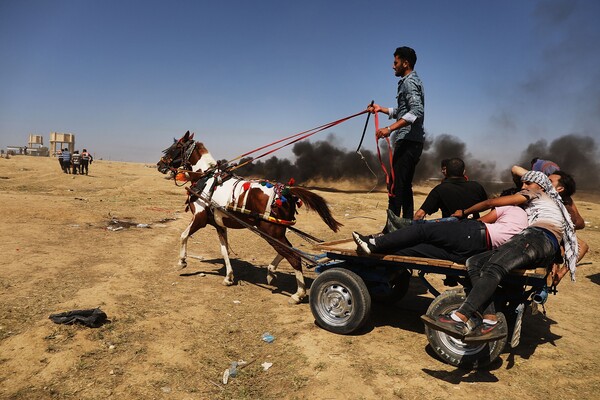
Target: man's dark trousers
[[406, 156]]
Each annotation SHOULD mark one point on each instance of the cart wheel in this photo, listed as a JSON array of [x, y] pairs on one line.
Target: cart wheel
[[339, 301], [454, 351], [397, 289]]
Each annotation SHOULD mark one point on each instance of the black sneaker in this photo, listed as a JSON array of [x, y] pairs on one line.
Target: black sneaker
[[363, 243], [397, 222], [486, 333], [445, 323]]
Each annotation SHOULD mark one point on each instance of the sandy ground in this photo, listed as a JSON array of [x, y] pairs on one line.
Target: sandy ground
[[173, 333]]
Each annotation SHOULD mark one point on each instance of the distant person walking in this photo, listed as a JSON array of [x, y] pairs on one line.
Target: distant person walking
[[86, 160], [409, 132], [66, 161], [76, 159], [60, 160]]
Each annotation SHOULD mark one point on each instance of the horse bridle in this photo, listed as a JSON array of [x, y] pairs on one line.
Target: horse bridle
[[186, 150]]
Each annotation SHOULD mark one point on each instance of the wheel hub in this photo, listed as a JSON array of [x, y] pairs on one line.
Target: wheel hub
[[337, 302]]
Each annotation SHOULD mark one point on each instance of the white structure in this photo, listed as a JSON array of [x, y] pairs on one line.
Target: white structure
[[36, 146], [61, 139]]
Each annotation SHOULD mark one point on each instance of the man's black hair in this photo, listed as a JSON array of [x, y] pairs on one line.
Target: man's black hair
[[509, 191], [567, 182], [455, 167], [408, 54]]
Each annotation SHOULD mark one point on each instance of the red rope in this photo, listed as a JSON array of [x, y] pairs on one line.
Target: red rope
[[389, 178], [302, 135]]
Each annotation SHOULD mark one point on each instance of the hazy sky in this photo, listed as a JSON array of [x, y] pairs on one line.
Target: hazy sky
[[127, 76]]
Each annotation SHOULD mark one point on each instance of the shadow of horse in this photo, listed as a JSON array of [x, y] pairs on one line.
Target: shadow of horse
[[251, 274]]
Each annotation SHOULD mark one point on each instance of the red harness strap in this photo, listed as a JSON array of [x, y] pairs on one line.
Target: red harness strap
[[297, 136], [389, 177]]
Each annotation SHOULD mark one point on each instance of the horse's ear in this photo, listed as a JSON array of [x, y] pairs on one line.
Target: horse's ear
[[191, 136], [174, 140], [186, 136]]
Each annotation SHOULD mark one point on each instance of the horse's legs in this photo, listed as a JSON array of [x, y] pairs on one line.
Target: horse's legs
[[272, 268], [301, 291], [198, 221], [222, 232], [183, 246], [296, 263]]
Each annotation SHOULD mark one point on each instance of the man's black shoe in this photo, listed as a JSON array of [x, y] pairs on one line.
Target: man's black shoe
[[487, 333], [445, 323], [363, 243]]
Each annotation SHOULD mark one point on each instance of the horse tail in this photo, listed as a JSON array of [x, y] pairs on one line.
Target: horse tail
[[316, 203]]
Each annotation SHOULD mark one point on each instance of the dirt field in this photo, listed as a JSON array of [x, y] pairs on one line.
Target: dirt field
[[173, 333]]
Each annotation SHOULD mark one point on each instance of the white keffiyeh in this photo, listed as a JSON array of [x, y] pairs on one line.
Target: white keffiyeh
[[569, 238]]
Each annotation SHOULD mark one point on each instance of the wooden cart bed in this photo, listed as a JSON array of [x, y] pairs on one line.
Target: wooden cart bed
[[346, 248]]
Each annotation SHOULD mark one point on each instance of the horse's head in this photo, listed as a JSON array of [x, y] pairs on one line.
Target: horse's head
[[173, 157]]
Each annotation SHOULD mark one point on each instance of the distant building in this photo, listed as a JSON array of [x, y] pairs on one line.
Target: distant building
[[36, 146], [62, 140]]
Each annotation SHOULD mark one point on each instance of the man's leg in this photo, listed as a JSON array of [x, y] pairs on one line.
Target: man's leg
[[462, 239], [530, 248], [405, 159], [427, 250]]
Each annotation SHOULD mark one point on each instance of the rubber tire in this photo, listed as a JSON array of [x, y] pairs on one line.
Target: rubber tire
[[399, 288], [454, 351], [340, 301]]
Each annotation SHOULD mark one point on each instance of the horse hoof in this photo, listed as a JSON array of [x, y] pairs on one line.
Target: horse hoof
[[294, 299], [227, 282], [271, 279], [181, 266]]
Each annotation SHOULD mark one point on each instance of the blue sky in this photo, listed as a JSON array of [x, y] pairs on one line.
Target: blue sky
[[127, 76]]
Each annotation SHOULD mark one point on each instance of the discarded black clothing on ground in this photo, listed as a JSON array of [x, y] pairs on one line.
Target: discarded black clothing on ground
[[92, 318]]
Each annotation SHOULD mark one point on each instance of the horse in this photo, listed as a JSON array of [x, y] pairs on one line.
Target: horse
[[224, 200]]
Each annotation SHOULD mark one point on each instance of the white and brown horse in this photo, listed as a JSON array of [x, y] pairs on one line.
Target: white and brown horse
[[269, 207]]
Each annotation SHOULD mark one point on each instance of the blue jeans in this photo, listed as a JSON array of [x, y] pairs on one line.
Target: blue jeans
[[431, 221], [531, 248]]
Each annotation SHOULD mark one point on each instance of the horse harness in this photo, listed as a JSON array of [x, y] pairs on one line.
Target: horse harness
[[276, 196]]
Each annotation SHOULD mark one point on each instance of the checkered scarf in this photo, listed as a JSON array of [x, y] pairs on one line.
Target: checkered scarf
[[569, 238]]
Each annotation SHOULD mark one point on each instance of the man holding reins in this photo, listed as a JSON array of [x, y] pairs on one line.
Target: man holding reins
[[409, 133]]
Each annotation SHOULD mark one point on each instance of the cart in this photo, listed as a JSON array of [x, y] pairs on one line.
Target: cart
[[342, 294]]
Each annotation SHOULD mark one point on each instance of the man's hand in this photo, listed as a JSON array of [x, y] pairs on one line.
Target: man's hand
[[375, 108], [460, 214], [383, 132]]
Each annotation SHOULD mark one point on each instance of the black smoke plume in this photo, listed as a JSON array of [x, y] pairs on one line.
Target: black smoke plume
[[576, 155], [321, 160]]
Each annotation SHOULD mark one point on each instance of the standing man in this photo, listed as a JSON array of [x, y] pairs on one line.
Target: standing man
[[409, 133], [86, 160], [60, 159], [66, 160], [76, 160]]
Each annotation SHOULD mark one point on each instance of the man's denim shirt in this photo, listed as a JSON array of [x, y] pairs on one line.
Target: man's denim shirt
[[411, 107]]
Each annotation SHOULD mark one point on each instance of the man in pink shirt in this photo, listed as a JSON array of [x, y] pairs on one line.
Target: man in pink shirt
[[455, 241]]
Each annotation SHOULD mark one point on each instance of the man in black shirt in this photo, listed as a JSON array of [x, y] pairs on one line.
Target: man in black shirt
[[454, 193]]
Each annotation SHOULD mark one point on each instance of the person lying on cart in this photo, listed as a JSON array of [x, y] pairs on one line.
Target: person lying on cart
[[565, 186], [536, 246], [452, 240]]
